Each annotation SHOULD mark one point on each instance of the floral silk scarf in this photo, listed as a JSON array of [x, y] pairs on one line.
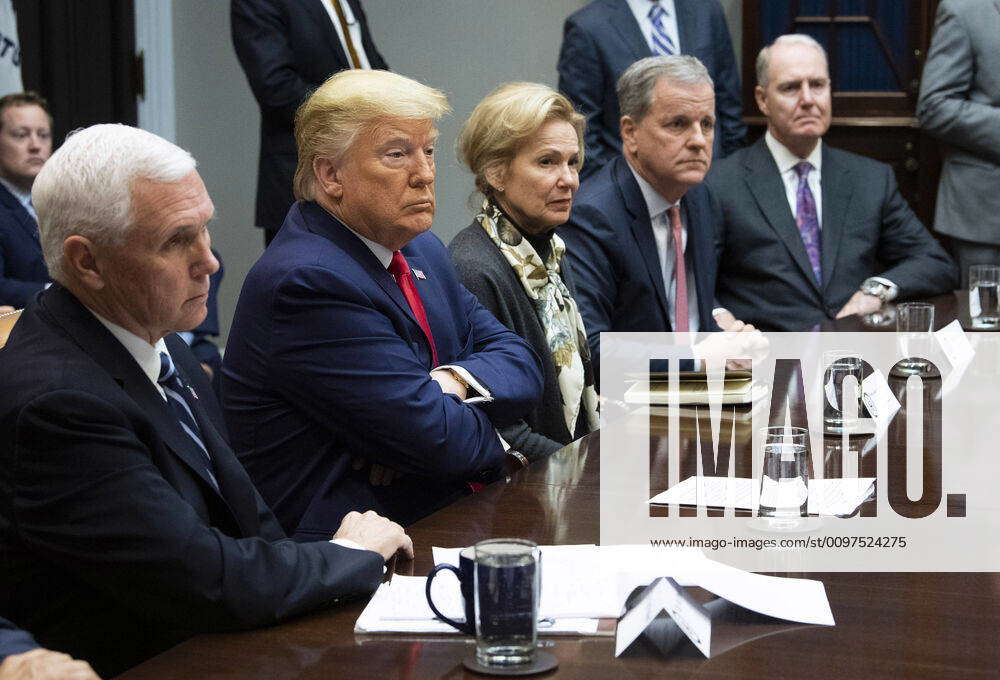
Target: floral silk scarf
[[556, 309]]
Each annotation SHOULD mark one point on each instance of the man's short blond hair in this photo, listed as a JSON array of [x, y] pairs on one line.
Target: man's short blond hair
[[505, 120], [330, 120]]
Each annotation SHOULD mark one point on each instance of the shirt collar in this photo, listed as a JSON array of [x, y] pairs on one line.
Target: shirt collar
[[786, 160], [655, 202], [23, 197], [146, 355], [641, 7]]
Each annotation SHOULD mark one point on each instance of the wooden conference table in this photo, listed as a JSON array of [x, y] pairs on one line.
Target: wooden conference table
[[906, 625]]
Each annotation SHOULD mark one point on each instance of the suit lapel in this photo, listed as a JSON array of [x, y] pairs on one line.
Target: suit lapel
[[624, 24], [642, 231], [837, 192], [768, 190], [686, 22], [320, 221], [700, 247], [23, 218], [324, 24], [237, 493], [105, 349]]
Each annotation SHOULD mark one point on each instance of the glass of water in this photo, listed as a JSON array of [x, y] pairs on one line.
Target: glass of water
[[507, 591], [914, 323], [784, 488], [984, 295], [839, 416]]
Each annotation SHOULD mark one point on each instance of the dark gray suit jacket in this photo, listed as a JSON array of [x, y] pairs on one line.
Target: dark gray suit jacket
[[867, 230], [960, 105]]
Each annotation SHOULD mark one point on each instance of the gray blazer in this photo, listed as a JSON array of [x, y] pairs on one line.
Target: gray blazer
[[960, 104]]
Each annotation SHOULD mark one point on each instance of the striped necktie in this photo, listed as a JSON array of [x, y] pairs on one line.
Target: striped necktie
[[663, 45], [177, 396]]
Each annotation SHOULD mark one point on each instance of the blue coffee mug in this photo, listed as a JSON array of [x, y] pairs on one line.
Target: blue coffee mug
[[466, 580]]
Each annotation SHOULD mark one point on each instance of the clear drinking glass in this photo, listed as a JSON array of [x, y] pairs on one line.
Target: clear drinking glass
[[507, 591], [984, 295], [838, 366], [784, 490], [914, 323]]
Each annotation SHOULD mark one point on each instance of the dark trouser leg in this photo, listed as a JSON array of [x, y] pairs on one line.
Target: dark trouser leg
[[269, 235]]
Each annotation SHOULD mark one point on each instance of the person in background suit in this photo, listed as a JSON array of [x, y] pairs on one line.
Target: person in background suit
[[287, 48], [524, 144], [809, 232], [960, 105], [601, 40], [25, 145], [356, 354], [641, 237], [126, 522], [22, 659]]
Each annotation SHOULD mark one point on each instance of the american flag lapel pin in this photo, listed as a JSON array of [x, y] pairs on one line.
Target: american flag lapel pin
[[419, 274]]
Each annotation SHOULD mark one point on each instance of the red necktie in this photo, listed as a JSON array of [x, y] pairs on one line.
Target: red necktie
[[680, 275], [401, 272]]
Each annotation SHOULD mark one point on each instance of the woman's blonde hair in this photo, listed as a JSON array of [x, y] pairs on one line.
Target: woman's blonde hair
[[330, 120], [505, 120]]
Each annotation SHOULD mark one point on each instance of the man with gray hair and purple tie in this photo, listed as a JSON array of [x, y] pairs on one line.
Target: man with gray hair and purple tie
[[808, 232]]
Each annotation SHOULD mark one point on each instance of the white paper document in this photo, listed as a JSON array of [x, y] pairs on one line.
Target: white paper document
[[826, 496]]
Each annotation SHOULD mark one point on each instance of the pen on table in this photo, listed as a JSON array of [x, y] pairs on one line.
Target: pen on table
[[390, 567]]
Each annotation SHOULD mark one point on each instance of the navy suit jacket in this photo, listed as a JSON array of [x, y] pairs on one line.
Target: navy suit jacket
[[13, 640], [287, 49], [114, 543], [867, 230], [326, 362], [611, 248], [603, 39], [22, 269]]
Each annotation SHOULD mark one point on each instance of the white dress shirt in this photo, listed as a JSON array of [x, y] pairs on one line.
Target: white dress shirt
[[353, 27], [659, 218], [640, 8], [787, 161], [146, 355]]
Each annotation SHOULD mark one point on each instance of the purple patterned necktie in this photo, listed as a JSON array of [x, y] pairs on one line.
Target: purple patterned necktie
[[806, 218]]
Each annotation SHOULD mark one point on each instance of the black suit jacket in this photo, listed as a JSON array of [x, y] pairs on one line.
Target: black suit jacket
[[867, 230], [611, 248], [603, 39], [114, 544], [287, 49], [22, 269]]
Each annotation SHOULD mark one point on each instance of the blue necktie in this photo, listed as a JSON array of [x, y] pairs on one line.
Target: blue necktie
[[807, 219], [177, 396], [662, 44]]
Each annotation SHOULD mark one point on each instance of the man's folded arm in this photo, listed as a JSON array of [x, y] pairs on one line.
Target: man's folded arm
[[358, 375]]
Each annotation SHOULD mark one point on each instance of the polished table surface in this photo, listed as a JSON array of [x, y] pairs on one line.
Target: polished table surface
[[906, 625]]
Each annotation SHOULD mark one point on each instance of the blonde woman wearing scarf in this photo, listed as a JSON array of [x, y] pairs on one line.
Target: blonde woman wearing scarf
[[524, 145]]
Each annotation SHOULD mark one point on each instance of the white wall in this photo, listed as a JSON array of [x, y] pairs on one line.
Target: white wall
[[464, 47]]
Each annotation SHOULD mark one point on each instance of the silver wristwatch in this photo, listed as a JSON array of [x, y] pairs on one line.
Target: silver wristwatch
[[873, 286]]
